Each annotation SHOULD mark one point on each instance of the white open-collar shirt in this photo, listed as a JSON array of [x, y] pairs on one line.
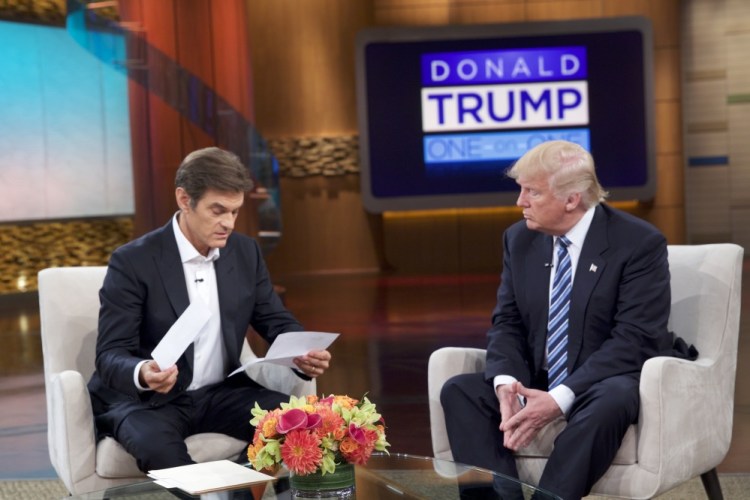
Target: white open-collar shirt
[[209, 353]]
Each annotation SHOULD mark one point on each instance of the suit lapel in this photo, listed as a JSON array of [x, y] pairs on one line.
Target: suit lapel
[[590, 268], [227, 285], [538, 272], [173, 277], [172, 274]]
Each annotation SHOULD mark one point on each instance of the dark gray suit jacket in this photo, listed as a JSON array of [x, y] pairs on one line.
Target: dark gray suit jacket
[[144, 293], [620, 302]]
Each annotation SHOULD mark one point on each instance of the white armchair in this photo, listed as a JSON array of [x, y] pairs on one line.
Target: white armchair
[[685, 424], [69, 309]]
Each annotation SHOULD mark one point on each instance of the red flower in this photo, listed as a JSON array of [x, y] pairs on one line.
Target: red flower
[[301, 452], [358, 447], [331, 423], [357, 434]]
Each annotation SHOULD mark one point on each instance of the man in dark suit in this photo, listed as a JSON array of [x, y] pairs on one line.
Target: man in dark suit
[[150, 282], [610, 301]]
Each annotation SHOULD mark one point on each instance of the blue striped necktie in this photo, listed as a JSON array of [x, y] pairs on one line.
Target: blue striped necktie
[[557, 325]]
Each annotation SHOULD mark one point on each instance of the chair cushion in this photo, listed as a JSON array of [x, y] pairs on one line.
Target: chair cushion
[[212, 446], [542, 445], [112, 461]]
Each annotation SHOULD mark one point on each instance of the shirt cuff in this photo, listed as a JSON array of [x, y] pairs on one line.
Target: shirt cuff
[[135, 377], [563, 396], [502, 380], [507, 379]]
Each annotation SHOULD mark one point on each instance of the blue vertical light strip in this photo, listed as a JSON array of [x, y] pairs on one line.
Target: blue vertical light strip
[[198, 102]]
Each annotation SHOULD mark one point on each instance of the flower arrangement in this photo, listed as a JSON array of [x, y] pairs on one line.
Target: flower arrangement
[[311, 434]]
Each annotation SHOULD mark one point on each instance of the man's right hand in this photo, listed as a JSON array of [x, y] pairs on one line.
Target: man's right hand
[[507, 395], [155, 379]]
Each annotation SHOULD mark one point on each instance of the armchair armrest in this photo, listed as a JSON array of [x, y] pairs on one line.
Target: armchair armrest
[[685, 406], [71, 427], [444, 364]]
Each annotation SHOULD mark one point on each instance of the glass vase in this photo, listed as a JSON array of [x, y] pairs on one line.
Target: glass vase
[[339, 484]]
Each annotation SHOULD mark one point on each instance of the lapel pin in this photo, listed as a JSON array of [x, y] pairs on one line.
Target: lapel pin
[[593, 268]]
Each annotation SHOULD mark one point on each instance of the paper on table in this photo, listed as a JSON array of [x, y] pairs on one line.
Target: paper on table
[[290, 345], [208, 476], [181, 334]]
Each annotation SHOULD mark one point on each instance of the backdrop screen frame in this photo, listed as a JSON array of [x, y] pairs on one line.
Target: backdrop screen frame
[[418, 153]]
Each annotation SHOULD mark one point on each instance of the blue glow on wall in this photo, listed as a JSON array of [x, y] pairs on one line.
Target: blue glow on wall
[[65, 131]]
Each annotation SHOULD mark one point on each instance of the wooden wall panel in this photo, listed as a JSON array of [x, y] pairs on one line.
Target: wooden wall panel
[[325, 228], [303, 55], [667, 74], [488, 12], [553, 10]]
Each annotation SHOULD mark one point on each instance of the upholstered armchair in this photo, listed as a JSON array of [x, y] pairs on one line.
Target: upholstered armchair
[[69, 308], [685, 424]]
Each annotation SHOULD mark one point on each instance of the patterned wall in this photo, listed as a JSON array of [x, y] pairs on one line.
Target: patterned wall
[[306, 156], [29, 248], [716, 105]]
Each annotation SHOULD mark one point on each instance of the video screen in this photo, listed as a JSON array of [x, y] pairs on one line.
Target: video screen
[[445, 111]]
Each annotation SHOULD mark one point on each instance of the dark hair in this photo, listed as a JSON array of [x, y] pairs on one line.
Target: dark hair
[[212, 168]]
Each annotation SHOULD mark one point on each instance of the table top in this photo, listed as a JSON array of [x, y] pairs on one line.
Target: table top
[[394, 476]]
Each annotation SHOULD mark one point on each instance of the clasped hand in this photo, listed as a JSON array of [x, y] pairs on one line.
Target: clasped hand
[[520, 424]]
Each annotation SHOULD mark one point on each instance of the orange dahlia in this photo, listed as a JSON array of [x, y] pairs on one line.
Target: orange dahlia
[[301, 452]]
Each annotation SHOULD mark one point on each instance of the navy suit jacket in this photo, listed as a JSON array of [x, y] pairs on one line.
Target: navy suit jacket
[[620, 303], [143, 294]]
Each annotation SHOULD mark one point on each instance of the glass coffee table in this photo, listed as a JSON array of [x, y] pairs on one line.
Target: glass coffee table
[[394, 476]]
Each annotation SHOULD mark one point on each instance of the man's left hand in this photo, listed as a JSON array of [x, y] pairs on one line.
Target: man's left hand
[[540, 409], [314, 363]]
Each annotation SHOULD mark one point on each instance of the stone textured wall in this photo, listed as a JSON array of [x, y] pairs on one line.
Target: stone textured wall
[[29, 248], [306, 156], [34, 11]]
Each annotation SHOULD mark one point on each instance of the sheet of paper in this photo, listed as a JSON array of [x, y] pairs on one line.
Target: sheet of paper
[[181, 334], [290, 345], [208, 476]]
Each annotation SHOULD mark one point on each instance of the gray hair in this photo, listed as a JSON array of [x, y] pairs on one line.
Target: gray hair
[[568, 166]]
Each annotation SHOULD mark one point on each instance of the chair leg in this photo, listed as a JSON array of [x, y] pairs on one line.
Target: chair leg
[[711, 484]]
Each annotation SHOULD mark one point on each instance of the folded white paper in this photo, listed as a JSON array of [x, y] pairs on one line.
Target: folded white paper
[[208, 476], [181, 334], [290, 345]]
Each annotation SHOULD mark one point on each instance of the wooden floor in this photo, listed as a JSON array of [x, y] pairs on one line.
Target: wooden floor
[[389, 327]]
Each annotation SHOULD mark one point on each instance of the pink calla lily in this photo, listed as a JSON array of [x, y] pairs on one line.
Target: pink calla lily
[[298, 419], [291, 420], [314, 420]]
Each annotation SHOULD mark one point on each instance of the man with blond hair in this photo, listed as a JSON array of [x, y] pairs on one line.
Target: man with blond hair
[[583, 303]]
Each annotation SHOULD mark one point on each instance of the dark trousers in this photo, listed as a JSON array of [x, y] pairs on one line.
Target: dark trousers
[[583, 451], [155, 436]]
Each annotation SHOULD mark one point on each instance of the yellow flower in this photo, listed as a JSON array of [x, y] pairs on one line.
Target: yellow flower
[[269, 427], [345, 402]]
